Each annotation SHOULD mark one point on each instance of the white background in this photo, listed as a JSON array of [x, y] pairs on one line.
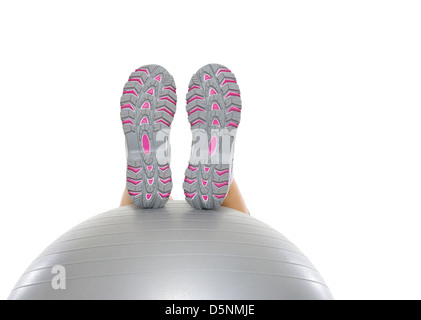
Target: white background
[[328, 150]]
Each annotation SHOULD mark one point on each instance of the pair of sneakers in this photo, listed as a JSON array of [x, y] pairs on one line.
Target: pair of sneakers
[[148, 107]]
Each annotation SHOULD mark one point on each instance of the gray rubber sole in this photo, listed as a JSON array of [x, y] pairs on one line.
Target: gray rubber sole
[[148, 106], [214, 111]]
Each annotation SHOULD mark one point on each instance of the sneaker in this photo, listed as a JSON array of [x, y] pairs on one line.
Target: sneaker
[[148, 106], [214, 112]]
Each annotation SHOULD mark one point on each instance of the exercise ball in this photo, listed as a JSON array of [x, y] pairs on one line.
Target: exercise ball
[[175, 252]]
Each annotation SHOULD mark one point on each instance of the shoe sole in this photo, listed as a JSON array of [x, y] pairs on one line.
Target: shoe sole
[[214, 111], [148, 106]]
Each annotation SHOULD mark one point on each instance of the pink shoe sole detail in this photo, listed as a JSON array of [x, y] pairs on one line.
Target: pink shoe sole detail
[[134, 194], [195, 110], [164, 168], [190, 181], [146, 105], [144, 120], [228, 81], [206, 169], [194, 87], [135, 182], [219, 196], [212, 146], [158, 78], [232, 94], [234, 109], [219, 185], [163, 121], [146, 144], [151, 91], [207, 77], [127, 106], [130, 92], [205, 183], [135, 170], [150, 168], [197, 121], [192, 169], [149, 196], [168, 99], [205, 198], [137, 80], [216, 123], [190, 195], [232, 124], [166, 110], [220, 173], [223, 70], [150, 181], [164, 195], [143, 70], [195, 98], [212, 92], [128, 122], [170, 88], [166, 181], [215, 107]]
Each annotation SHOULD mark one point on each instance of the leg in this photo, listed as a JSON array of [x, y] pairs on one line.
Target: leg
[[235, 200], [125, 199]]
